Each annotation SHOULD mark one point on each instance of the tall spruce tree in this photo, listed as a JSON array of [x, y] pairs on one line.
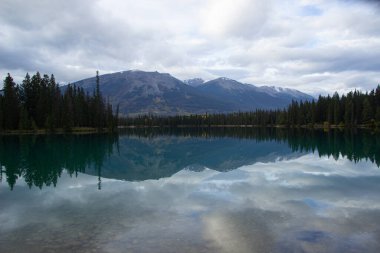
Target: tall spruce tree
[[11, 104], [367, 110], [1, 112]]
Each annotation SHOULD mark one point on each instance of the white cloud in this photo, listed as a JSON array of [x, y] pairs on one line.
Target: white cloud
[[241, 18]]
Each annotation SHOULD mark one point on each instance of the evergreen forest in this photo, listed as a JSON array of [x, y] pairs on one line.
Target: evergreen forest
[[40, 103], [355, 109]]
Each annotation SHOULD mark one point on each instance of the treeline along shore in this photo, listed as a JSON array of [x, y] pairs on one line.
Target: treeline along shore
[[39, 105], [353, 110]]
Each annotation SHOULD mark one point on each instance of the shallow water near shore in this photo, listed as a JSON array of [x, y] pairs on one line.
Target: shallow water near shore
[[251, 190]]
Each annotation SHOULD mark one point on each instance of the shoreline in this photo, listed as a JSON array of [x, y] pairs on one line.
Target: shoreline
[[317, 126], [90, 130], [60, 131]]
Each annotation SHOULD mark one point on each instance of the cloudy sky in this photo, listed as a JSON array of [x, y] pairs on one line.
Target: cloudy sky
[[316, 46]]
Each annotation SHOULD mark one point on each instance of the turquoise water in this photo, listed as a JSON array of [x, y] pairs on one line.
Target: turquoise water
[[191, 191]]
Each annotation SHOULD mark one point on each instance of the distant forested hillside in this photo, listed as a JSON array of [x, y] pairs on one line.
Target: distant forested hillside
[[351, 110]]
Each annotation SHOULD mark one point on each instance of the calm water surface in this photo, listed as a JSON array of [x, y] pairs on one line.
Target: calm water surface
[[191, 191]]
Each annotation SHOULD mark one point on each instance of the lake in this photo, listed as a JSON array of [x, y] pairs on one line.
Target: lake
[[191, 190]]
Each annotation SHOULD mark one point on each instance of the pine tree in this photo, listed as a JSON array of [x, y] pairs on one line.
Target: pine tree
[[116, 118], [31, 91], [67, 110], [1, 112], [367, 110], [336, 108], [11, 103], [43, 102], [99, 110], [53, 100], [97, 91], [349, 111], [377, 114]]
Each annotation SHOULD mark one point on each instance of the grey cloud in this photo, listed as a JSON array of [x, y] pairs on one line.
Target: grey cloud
[[20, 59], [54, 32], [335, 59], [266, 42], [252, 20], [363, 1], [234, 73]]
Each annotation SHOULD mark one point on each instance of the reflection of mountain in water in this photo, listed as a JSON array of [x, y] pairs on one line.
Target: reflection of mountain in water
[[141, 154], [163, 156]]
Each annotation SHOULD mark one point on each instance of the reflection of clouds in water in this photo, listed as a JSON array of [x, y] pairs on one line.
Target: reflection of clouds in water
[[323, 213], [305, 204], [246, 230]]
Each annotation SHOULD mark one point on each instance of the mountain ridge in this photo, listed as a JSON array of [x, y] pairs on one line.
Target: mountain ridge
[[139, 92]]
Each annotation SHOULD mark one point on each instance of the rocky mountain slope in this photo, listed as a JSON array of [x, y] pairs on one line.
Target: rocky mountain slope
[[139, 92]]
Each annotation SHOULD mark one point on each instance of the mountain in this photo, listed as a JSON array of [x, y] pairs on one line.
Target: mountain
[[195, 82], [249, 97], [139, 92], [285, 93]]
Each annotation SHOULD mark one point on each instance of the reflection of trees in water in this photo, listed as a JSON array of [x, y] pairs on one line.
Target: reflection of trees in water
[[41, 159], [352, 144], [355, 146]]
